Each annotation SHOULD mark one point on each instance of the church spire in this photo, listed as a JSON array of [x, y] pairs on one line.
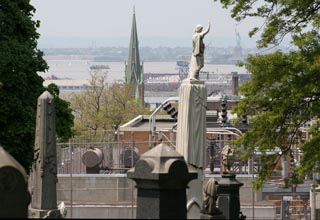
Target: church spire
[[134, 70]]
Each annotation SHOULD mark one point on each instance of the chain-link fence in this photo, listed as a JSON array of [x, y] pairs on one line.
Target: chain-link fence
[[80, 157]]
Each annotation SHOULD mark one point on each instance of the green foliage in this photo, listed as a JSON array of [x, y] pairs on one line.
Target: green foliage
[[311, 156], [123, 107], [64, 116], [90, 107], [280, 17], [282, 96], [20, 61], [292, 181], [284, 92], [103, 106]]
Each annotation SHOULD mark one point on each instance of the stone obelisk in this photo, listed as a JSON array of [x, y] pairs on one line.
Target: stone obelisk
[[44, 173], [191, 130]]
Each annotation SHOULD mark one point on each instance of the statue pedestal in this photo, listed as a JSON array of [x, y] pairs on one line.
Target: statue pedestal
[[38, 213], [195, 196], [191, 138], [191, 129], [229, 200], [216, 216]]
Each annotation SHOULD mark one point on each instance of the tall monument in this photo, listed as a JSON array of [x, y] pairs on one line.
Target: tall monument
[[191, 130], [133, 69], [44, 172]]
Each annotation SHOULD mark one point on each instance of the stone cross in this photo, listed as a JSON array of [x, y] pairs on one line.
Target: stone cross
[[44, 173]]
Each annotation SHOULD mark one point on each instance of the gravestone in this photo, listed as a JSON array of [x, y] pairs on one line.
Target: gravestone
[[44, 172], [14, 195], [161, 177], [229, 199]]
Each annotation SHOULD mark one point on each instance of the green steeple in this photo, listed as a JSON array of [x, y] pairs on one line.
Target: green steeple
[[134, 70]]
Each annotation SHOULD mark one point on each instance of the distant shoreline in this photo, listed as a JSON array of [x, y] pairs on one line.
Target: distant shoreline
[[213, 55], [72, 67]]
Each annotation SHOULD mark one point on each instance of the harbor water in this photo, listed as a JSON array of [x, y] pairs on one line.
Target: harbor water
[[80, 69]]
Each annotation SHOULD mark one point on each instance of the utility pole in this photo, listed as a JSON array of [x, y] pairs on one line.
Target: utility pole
[[224, 112]]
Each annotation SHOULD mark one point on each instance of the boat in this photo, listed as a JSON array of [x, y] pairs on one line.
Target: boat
[[99, 67]]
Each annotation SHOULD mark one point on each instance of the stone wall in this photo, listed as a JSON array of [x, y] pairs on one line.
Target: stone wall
[[117, 189], [114, 195], [96, 189], [102, 211]]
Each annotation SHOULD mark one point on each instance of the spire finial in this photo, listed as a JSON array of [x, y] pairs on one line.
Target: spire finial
[[133, 10]]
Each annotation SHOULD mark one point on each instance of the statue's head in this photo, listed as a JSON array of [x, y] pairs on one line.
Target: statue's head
[[198, 28]]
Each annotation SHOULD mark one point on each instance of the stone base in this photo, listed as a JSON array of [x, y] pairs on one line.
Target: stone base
[[40, 213], [229, 199], [191, 130], [215, 216], [195, 196], [192, 81]]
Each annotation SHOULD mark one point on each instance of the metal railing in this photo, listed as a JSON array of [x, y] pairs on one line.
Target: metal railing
[[118, 157]]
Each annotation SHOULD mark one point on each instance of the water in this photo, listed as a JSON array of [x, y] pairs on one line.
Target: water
[[79, 69]]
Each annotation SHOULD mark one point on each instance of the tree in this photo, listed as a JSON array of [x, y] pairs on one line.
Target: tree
[[280, 17], [284, 93], [103, 107], [90, 106], [123, 106], [20, 60], [64, 116]]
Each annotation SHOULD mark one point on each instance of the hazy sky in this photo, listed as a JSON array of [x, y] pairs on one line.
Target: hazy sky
[[86, 23]]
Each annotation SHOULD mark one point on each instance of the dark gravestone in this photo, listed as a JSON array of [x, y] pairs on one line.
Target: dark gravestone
[[229, 200], [14, 195], [161, 177]]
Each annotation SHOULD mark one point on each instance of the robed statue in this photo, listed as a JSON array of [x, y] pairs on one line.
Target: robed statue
[[227, 159], [197, 58], [210, 192]]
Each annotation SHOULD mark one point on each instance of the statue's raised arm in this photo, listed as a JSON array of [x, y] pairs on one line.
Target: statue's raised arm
[[197, 58], [207, 30]]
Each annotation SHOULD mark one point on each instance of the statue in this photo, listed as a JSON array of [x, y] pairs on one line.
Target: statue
[[238, 38], [227, 159], [210, 198], [197, 59]]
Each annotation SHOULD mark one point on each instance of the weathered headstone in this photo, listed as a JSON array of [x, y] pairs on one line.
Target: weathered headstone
[[161, 177], [44, 173], [14, 195]]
